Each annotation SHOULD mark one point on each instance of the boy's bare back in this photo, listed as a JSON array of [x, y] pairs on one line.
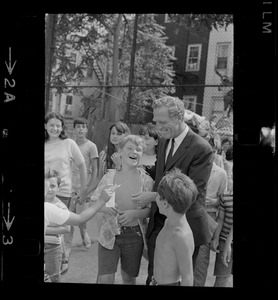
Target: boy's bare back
[[173, 254]]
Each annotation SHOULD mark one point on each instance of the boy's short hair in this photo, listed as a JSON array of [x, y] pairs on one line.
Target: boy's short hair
[[53, 173], [214, 140], [80, 121], [178, 190], [136, 139], [229, 153], [226, 140]]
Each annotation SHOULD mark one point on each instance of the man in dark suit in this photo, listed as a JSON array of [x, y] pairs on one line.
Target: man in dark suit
[[190, 153]]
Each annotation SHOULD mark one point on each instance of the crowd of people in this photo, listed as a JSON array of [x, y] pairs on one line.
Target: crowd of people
[[164, 193]]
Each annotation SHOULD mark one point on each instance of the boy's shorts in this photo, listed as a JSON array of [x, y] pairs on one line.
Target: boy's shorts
[[220, 270], [129, 247]]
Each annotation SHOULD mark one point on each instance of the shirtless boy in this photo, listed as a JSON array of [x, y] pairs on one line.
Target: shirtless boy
[[174, 243]]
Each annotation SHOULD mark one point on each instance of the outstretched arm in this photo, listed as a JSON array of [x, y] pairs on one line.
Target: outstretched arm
[[57, 229], [87, 214]]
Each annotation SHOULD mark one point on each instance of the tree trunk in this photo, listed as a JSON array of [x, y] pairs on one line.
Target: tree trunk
[[49, 47], [105, 103], [112, 105], [132, 59]]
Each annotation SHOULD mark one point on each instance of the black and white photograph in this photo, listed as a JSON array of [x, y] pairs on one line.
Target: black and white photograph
[[130, 178]]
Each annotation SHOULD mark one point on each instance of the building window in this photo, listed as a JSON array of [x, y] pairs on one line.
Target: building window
[[68, 106], [69, 100], [190, 102], [222, 56], [193, 57], [217, 106]]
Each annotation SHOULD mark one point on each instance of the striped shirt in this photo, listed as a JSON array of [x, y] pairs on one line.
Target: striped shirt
[[226, 205]]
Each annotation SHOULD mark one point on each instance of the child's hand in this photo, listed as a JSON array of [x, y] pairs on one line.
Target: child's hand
[[107, 192], [226, 254], [111, 211], [126, 217], [214, 244], [117, 159], [82, 197]]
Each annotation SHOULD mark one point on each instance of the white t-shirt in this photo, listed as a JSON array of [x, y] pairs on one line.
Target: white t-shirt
[[54, 215], [89, 151], [60, 155]]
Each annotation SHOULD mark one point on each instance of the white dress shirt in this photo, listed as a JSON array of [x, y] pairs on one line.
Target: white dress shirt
[[178, 141]]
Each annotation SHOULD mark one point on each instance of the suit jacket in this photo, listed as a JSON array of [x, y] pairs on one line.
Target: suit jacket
[[194, 157]]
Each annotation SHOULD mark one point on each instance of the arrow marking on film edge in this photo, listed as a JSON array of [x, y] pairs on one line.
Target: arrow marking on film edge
[[10, 67], [7, 222]]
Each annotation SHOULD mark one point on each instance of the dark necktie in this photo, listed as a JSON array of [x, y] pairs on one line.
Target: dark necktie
[[170, 154]]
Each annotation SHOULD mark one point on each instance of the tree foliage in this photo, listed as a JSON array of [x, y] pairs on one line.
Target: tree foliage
[[91, 37], [153, 66], [198, 20]]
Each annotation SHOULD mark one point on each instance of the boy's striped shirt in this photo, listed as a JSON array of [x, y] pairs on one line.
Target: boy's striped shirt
[[226, 205]]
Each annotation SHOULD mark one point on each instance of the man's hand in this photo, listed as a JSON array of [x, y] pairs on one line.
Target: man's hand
[[144, 198]]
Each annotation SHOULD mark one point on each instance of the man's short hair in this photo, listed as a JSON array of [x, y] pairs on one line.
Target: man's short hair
[[175, 106]]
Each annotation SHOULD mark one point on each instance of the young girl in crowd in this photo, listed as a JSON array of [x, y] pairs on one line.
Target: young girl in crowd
[[109, 157], [151, 137], [59, 154]]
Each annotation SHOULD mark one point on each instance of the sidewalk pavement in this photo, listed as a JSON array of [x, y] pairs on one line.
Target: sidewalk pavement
[[83, 262]]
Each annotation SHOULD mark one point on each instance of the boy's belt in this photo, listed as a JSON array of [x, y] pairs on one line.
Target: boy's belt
[[129, 229]]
